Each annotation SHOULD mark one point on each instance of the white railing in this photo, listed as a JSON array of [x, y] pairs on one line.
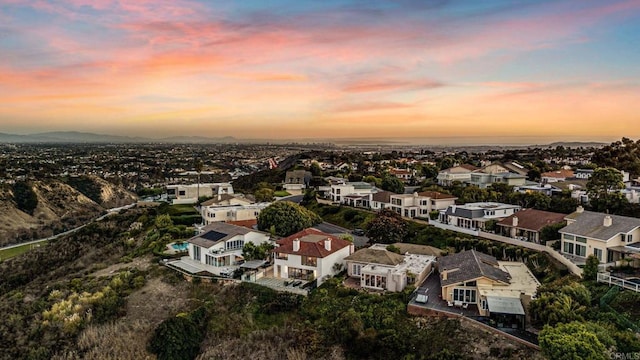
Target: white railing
[[624, 283]]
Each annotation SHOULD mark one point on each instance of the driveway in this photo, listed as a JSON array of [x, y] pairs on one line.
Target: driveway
[[332, 229]]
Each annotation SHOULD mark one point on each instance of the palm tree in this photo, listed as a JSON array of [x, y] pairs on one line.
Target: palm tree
[[198, 166]]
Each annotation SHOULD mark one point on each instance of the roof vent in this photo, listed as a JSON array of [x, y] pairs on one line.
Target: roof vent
[[607, 221]]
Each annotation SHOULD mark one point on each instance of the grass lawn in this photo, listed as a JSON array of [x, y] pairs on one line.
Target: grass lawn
[[281, 193], [18, 250]]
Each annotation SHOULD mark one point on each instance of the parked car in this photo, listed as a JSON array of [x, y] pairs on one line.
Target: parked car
[[422, 298], [358, 232]]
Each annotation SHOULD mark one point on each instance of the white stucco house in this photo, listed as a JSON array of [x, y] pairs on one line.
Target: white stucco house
[[310, 254], [188, 193], [230, 208], [220, 245]]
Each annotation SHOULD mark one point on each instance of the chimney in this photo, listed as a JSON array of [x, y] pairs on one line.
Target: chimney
[[607, 221], [444, 274], [327, 244], [579, 209], [296, 245], [515, 221]]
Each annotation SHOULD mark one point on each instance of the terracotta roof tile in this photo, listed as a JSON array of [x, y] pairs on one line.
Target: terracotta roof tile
[[311, 243], [532, 219]]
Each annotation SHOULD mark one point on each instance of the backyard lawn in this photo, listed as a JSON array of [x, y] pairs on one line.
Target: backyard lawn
[[18, 250]]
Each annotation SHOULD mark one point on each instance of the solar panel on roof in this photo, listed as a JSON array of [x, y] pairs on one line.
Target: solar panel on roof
[[213, 235]]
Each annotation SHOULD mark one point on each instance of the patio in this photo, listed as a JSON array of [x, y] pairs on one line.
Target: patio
[[282, 285], [431, 287]]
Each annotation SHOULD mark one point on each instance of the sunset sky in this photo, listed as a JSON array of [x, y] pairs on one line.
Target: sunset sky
[[322, 69]]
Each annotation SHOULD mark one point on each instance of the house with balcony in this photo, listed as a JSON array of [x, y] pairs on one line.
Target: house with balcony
[[610, 238], [377, 268], [501, 290], [352, 193], [219, 246], [460, 173], [420, 204], [310, 254], [495, 173], [403, 174], [474, 216], [527, 224], [230, 208]]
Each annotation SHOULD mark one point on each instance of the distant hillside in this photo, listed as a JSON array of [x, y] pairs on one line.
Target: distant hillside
[[576, 144], [59, 206], [84, 137]]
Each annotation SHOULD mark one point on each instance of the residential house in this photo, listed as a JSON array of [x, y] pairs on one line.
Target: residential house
[[380, 200], [545, 189], [495, 173], [501, 290], [515, 167], [609, 237], [475, 215], [461, 173], [296, 181], [310, 254], [219, 245], [403, 174], [361, 191], [583, 174], [556, 175], [188, 194], [377, 268], [420, 204], [526, 224]]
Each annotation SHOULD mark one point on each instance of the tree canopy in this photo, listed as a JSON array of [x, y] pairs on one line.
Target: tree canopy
[[574, 341], [604, 190], [286, 218], [393, 184], [387, 227]]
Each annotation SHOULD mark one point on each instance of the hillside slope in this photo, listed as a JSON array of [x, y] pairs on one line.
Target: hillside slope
[[60, 206]]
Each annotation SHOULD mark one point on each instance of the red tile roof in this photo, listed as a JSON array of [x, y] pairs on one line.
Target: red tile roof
[[436, 195], [532, 219], [246, 223], [311, 243]]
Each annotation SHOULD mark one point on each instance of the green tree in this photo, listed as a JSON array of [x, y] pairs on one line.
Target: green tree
[[264, 195], [286, 218], [163, 221], [590, 270], [387, 227], [24, 196], [550, 232], [575, 341], [252, 252], [179, 337], [315, 169], [373, 180], [393, 184], [604, 188]]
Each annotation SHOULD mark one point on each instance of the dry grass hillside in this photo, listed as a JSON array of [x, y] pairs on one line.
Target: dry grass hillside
[[60, 206]]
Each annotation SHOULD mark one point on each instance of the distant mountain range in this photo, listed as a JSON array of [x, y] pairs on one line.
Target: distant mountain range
[[84, 137], [76, 137]]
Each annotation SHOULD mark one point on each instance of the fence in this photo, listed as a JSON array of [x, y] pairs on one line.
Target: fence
[[631, 284]]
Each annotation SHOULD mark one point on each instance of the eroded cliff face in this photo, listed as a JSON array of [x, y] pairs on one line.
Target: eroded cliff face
[[60, 207]]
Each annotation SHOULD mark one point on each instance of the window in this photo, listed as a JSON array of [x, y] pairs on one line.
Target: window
[[309, 261], [181, 192], [568, 237], [629, 238], [338, 191], [568, 248], [464, 295], [581, 250], [598, 253], [210, 260], [356, 269], [282, 256], [581, 239], [196, 252], [234, 244]]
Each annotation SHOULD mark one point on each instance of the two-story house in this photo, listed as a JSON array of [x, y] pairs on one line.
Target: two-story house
[[310, 254], [475, 215], [230, 208], [340, 192], [296, 181], [219, 245], [461, 173], [377, 268], [609, 237], [420, 204], [495, 173], [188, 194]]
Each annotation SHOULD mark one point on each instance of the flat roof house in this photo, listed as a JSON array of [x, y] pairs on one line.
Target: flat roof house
[[380, 269], [475, 215], [188, 194]]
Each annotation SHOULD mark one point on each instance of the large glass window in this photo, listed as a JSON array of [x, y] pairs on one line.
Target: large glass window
[[568, 248], [464, 295], [234, 244], [568, 237], [581, 239], [196, 252], [598, 254], [356, 269]]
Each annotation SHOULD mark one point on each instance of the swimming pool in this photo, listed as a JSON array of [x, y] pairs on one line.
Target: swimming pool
[[180, 247]]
